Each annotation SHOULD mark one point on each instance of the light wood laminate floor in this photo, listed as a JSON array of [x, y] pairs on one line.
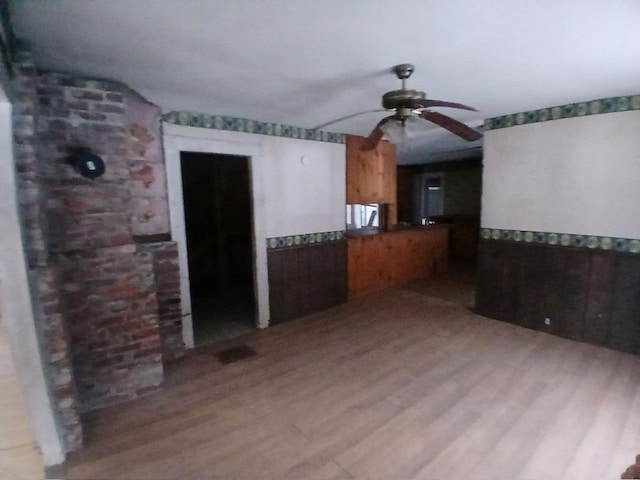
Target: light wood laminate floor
[[392, 386]]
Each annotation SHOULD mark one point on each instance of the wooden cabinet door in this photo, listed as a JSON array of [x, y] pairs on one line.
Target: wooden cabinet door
[[371, 175]]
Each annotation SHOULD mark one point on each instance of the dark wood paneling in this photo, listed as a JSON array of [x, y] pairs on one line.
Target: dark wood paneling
[[306, 279], [496, 294], [625, 304], [589, 295], [529, 265], [573, 293], [405, 193], [598, 305]]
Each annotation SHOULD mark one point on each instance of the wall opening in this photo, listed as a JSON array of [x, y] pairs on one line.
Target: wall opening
[[219, 237], [431, 198], [447, 193]]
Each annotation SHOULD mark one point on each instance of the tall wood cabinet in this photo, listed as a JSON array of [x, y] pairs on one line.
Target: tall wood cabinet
[[371, 174]]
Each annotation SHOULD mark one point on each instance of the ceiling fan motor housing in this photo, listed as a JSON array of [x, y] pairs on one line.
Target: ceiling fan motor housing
[[401, 98]]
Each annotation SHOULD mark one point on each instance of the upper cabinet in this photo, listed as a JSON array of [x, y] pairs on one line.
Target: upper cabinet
[[371, 174]]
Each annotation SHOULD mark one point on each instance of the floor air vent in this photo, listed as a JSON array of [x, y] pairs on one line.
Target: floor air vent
[[234, 354]]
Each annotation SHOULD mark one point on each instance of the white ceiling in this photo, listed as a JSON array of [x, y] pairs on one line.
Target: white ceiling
[[304, 62]]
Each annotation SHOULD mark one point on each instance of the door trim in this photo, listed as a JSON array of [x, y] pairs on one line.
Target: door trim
[[179, 139]]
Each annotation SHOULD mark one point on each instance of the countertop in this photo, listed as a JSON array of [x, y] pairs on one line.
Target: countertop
[[367, 232]]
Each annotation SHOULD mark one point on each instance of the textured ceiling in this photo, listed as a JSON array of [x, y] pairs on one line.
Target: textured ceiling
[[304, 62]]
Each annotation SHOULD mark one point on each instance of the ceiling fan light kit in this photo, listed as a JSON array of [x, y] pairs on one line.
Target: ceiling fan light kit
[[411, 106], [397, 132]]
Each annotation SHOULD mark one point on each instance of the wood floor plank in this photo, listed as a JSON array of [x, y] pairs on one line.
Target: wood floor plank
[[597, 447], [508, 401], [626, 446], [561, 442], [396, 385], [515, 445]]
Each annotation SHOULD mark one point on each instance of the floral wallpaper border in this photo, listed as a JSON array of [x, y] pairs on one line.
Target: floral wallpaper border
[[629, 245], [580, 109], [305, 239], [235, 124]]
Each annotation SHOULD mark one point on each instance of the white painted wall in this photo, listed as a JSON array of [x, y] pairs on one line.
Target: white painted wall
[[579, 175], [16, 306], [298, 186], [304, 184]]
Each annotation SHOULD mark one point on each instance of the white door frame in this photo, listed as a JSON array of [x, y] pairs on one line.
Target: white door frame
[[179, 139]]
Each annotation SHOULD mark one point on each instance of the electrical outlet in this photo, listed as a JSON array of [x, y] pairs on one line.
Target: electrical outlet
[[547, 321]]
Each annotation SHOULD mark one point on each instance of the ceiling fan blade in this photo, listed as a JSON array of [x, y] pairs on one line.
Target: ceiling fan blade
[[451, 124], [376, 134], [426, 103], [345, 118]]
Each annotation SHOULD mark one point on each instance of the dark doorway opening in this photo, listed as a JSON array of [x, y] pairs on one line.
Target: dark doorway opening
[[448, 193], [218, 213]]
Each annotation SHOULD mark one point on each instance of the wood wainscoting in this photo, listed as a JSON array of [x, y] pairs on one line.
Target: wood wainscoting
[[586, 295], [306, 278], [392, 258]]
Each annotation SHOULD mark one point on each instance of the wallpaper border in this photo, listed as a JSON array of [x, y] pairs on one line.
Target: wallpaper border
[[287, 241], [580, 109], [592, 242], [244, 125]]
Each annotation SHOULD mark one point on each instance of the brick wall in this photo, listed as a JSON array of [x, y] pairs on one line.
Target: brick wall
[[112, 315], [146, 161], [150, 220], [24, 104], [109, 284], [105, 275], [50, 325], [166, 269], [76, 113], [57, 348]]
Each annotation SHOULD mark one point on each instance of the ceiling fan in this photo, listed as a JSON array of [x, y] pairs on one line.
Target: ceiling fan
[[410, 107]]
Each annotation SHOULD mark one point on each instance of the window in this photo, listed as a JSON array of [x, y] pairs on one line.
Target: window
[[363, 216], [429, 197]]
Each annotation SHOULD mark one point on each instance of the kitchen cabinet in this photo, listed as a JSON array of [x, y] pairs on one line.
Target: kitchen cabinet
[[392, 258], [371, 175]]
